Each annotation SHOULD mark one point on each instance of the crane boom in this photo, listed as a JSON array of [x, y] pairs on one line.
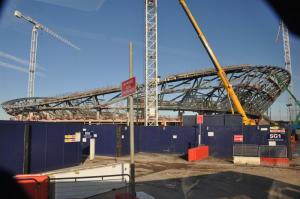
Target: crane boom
[[220, 71], [60, 38], [44, 28], [296, 101], [293, 96]]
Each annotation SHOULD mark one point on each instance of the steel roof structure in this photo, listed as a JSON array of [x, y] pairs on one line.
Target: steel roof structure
[[201, 91]]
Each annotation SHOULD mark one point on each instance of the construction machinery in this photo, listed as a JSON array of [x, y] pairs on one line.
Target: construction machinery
[[220, 71], [34, 36]]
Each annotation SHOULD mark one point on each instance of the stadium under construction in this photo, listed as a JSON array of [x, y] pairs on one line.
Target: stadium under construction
[[84, 144], [201, 92]]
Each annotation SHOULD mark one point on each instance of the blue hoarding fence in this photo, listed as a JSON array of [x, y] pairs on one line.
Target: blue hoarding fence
[[48, 150]]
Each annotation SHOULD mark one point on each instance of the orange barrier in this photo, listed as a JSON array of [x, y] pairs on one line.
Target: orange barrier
[[197, 153], [274, 161], [36, 186]]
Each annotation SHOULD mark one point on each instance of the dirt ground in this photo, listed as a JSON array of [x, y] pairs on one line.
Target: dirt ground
[[169, 176]]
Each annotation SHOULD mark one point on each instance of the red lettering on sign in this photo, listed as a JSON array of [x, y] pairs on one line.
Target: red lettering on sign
[[238, 138], [128, 87]]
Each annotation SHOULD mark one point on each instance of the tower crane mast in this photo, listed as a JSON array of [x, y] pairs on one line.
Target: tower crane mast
[[151, 72], [287, 62], [34, 38]]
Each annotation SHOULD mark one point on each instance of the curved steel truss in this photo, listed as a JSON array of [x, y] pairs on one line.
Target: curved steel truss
[[256, 86]]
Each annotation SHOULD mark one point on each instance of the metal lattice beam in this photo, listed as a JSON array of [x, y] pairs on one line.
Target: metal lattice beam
[[151, 81], [257, 88]]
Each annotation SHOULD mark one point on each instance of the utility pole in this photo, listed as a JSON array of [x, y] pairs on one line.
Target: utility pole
[[151, 74], [132, 165], [34, 38]]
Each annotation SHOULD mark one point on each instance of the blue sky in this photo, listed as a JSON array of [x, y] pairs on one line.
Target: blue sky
[[240, 32]]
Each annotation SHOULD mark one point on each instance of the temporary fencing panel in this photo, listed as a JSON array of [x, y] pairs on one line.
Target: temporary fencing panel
[[126, 139], [220, 139], [105, 138], [153, 139], [166, 139], [11, 146], [273, 151], [252, 135], [72, 152], [213, 120], [180, 138], [39, 147], [49, 149], [233, 120]]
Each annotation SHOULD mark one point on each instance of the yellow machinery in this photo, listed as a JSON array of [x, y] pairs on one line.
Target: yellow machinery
[[220, 71]]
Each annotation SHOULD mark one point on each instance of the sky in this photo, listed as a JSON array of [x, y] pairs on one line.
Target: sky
[[240, 32]]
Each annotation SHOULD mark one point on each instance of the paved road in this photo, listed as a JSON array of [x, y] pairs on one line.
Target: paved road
[[167, 176]]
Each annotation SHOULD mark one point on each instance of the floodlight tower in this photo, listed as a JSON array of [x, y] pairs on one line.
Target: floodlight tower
[[151, 74], [34, 36]]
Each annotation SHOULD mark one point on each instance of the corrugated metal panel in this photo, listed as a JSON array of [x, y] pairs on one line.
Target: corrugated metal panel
[[38, 147], [213, 120], [233, 120], [49, 151], [106, 138], [11, 146]]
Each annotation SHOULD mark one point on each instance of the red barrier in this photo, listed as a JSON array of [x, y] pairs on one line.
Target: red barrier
[[198, 153], [36, 186], [124, 196], [274, 161]]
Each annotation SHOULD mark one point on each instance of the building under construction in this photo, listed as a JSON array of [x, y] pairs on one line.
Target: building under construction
[[229, 101], [201, 92]]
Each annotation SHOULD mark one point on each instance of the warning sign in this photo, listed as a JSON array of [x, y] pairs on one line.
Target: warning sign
[[199, 119], [128, 87], [72, 137], [238, 138]]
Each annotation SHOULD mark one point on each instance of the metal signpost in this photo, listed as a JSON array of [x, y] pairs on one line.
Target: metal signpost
[[200, 122], [128, 89]]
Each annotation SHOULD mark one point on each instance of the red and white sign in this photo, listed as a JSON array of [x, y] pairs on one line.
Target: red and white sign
[[238, 138], [199, 119], [128, 87], [277, 130]]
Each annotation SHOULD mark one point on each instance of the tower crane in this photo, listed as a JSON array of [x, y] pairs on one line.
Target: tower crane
[[221, 73], [287, 61], [151, 69], [34, 36]]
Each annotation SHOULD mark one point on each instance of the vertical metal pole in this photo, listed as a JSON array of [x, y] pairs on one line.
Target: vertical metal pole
[[199, 136], [27, 149], [132, 165]]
